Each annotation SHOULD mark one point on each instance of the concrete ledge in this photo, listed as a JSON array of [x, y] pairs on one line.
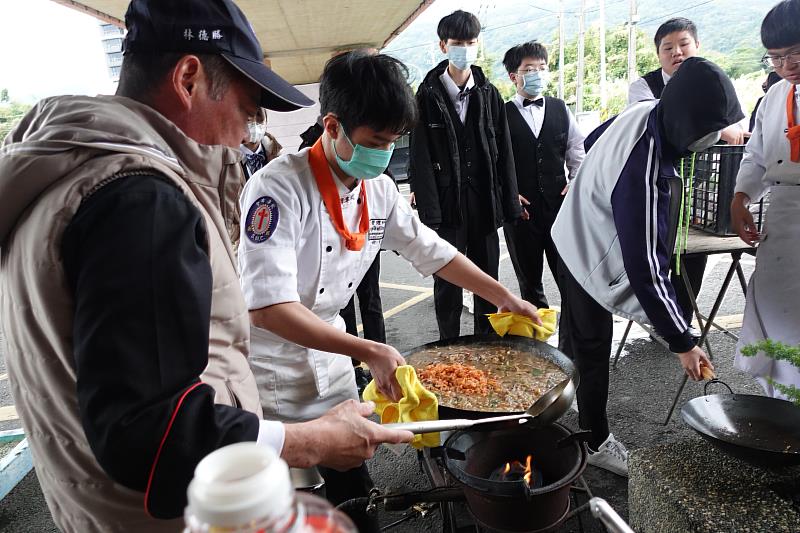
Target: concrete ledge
[[690, 486]]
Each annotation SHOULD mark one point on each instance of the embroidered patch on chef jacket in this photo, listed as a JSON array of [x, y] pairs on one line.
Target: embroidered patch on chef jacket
[[262, 219], [377, 227]]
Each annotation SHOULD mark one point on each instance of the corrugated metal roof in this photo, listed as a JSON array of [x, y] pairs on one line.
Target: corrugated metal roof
[[299, 36]]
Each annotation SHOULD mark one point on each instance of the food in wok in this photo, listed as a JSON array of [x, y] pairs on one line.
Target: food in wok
[[486, 377]]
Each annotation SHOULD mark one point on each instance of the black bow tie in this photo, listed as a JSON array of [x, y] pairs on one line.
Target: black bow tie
[[255, 162], [463, 93], [538, 102]]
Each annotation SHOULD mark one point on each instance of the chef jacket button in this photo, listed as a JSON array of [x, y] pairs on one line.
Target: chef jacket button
[[350, 285], [358, 201], [322, 290], [780, 161], [329, 249]]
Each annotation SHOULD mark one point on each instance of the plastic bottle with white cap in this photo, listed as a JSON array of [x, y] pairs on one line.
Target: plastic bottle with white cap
[[246, 488]]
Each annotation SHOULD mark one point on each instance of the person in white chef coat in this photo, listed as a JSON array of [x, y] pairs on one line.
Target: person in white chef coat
[[312, 225], [772, 163]]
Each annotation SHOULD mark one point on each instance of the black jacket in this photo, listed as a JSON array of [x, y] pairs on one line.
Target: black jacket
[[434, 164]]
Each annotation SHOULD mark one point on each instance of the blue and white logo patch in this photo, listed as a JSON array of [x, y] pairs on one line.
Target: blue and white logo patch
[[262, 219]]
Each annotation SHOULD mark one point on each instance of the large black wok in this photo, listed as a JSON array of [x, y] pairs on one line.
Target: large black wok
[[756, 429], [535, 348]]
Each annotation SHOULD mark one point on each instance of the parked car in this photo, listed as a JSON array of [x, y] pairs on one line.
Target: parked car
[[398, 165]]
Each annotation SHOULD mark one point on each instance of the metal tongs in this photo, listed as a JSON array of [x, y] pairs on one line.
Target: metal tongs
[[546, 409]]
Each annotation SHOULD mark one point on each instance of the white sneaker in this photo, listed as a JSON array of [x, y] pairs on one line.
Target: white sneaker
[[612, 456]]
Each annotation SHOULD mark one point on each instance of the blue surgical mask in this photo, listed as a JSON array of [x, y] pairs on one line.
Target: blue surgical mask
[[535, 82], [462, 57], [365, 163]]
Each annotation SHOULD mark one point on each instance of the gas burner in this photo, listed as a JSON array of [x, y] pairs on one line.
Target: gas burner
[[476, 494]]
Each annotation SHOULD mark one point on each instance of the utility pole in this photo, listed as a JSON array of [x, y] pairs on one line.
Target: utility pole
[[581, 45], [603, 88], [561, 50], [632, 20]]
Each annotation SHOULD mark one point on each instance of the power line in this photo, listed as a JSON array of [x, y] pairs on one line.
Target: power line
[[661, 17]]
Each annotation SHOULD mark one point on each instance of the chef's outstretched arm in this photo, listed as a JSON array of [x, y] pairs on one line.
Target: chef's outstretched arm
[[464, 273], [296, 323]]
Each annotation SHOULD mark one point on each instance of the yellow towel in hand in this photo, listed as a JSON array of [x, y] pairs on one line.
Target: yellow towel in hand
[[416, 404], [523, 326]]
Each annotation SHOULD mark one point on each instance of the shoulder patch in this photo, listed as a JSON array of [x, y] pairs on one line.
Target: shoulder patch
[[262, 219]]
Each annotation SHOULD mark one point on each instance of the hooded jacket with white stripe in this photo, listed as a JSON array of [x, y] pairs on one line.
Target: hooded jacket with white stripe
[[616, 229]]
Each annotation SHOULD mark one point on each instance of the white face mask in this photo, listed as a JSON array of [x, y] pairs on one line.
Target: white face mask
[[255, 132], [705, 142]]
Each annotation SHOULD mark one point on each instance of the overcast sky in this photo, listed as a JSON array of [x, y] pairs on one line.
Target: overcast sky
[[48, 49]]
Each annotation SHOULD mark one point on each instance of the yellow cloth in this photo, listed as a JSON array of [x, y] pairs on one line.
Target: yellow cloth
[[523, 326], [416, 404]]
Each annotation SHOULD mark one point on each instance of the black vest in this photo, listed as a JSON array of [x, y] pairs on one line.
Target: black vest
[[540, 161], [655, 80], [473, 172]]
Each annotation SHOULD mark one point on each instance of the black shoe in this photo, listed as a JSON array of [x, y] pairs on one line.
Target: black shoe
[[363, 377]]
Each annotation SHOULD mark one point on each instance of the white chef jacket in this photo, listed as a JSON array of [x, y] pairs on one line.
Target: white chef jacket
[[767, 154], [290, 252], [772, 307], [534, 118]]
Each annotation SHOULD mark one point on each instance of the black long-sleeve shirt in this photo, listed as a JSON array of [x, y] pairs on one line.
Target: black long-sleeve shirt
[[136, 259]]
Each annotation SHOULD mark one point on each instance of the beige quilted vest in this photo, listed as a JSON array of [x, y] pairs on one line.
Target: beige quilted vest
[[64, 149]]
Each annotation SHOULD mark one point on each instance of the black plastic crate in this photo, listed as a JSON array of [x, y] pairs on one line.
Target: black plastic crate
[[713, 187]]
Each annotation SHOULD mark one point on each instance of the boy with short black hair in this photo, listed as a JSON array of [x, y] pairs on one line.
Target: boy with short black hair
[[461, 165], [314, 223], [544, 137], [771, 163], [676, 40]]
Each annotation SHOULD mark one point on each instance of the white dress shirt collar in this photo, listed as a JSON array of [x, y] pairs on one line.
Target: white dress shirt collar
[[247, 151], [450, 86]]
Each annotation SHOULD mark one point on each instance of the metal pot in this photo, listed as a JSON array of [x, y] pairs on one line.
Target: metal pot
[[756, 429], [471, 457], [535, 348]]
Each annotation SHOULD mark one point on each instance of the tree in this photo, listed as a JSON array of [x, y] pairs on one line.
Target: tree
[[4, 95], [779, 352], [10, 113], [616, 67]]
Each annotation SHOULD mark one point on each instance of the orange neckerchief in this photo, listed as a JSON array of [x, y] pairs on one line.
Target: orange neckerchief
[[793, 130], [330, 195]]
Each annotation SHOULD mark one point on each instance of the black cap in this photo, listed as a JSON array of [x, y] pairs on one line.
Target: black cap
[[208, 27]]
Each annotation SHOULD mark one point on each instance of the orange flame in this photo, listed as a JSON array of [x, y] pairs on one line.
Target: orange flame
[[518, 468], [527, 476]]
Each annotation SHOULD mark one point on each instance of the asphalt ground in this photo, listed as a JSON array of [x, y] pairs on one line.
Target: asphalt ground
[[641, 387]]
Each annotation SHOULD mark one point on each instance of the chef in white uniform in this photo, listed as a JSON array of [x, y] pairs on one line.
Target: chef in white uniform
[[312, 224], [772, 164]]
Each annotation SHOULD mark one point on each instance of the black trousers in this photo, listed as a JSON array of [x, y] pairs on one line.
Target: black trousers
[[529, 242], [695, 267], [369, 302], [476, 238], [585, 334]]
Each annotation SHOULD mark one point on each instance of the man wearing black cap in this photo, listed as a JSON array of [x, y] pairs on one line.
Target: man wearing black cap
[[616, 231], [127, 334]]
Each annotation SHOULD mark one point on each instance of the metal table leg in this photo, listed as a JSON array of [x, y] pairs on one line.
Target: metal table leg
[[736, 256], [622, 343]]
